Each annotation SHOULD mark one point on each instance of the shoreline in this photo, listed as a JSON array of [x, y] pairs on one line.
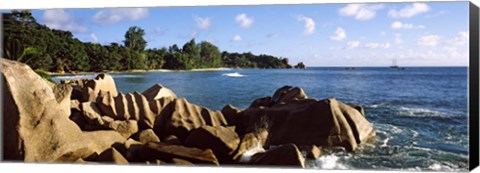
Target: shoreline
[[141, 71]]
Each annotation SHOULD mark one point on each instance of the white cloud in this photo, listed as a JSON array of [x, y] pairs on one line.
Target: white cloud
[[244, 21], [202, 22], [377, 45], [309, 25], [115, 15], [400, 25], [237, 38], [94, 38], [340, 34], [398, 38], [429, 40], [59, 19], [409, 11], [461, 39], [360, 11], [352, 44]]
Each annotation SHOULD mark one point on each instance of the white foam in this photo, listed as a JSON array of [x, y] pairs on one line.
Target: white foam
[[248, 154], [126, 76], [258, 148], [385, 142], [236, 74], [439, 167], [329, 162], [70, 77]]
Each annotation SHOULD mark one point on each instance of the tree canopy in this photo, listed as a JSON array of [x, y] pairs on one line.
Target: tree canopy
[[53, 50]]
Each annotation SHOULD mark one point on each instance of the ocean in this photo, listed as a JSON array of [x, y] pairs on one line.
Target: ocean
[[420, 113]]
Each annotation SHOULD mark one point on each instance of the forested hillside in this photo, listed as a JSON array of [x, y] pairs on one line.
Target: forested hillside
[[52, 50]]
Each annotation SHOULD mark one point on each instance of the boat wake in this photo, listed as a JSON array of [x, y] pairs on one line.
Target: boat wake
[[236, 74]]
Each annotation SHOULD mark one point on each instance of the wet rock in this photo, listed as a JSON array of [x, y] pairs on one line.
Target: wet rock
[[251, 141], [221, 140], [311, 151], [311, 122], [285, 156], [166, 152], [231, 114], [262, 102]]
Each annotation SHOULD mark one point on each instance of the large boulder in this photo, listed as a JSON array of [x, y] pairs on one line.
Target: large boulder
[[231, 113], [121, 107], [253, 141], [311, 151], [92, 113], [262, 102], [159, 104], [146, 117], [165, 152], [36, 125], [285, 156], [126, 127], [222, 140], [130, 106], [89, 89], [146, 136], [288, 93], [158, 91], [180, 117], [111, 155], [310, 122]]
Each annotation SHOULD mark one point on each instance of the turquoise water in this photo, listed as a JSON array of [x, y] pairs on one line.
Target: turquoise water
[[420, 114]]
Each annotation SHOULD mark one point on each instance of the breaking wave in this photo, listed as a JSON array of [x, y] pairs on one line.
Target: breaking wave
[[236, 74]]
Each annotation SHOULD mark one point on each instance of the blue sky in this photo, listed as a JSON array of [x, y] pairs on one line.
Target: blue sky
[[373, 34]]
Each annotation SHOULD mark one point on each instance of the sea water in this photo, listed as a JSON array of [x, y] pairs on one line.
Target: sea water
[[420, 113]]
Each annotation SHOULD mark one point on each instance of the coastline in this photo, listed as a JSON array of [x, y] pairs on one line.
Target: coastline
[[141, 71]]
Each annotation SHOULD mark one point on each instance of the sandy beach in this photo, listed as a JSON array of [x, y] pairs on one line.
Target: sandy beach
[[139, 71]]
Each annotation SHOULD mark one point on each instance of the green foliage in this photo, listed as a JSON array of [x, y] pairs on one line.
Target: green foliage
[[44, 75], [134, 39], [47, 49]]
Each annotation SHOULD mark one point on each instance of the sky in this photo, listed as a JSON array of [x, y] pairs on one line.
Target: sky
[[370, 34]]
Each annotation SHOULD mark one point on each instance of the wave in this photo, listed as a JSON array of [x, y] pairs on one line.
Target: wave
[[126, 76], [329, 161], [236, 74], [70, 77], [417, 112]]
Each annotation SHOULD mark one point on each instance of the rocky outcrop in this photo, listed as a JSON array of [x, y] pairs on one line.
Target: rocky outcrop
[[288, 93], [180, 117], [88, 121], [165, 152], [311, 122], [251, 141], [111, 155], [146, 136], [285, 156], [36, 124], [157, 91], [89, 89], [222, 141], [311, 151]]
